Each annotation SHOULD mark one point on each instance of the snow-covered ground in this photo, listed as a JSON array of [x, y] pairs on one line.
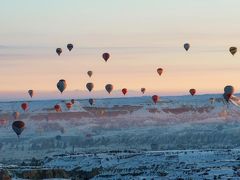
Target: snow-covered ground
[[182, 164], [133, 123], [166, 164]]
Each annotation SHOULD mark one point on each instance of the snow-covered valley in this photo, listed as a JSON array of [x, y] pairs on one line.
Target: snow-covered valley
[[169, 138]]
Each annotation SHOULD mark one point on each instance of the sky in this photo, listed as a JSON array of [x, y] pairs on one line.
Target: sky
[[140, 35]]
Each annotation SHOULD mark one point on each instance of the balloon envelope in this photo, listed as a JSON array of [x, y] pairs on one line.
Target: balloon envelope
[[186, 46], [229, 89], [57, 108], [16, 115], [192, 92], [155, 98], [18, 127], [90, 86], [211, 100], [58, 138], [91, 101], [30, 92], [106, 56], [228, 92], [124, 91], [160, 71], [59, 51], [233, 50], [143, 90], [70, 47], [89, 73], [109, 88], [24, 106], [69, 106], [61, 85], [3, 122]]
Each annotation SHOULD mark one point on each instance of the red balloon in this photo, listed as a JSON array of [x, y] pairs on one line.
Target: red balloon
[[192, 91], [69, 105], [57, 108], [24, 106], [106, 56], [124, 91], [155, 99], [229, 95]]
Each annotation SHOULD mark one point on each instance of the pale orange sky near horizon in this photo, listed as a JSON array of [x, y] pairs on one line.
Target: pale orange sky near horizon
[[140, 38]]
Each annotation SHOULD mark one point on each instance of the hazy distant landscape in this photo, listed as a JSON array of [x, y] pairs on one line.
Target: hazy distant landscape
[[122, 125]]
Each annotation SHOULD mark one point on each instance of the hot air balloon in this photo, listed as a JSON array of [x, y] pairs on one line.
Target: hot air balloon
[[155, 98], [18, 127], [229, 89], [59, 51], [192, 92], [62, 130], [70, 47], [228, 92], [233, 50], [143, 90], [3, 122], [102, 112], [211, 100], [69, 105], [90, 73], [31, 93], [124, 91], [61, 85], [90, 86], [58, 138], [160, 71], [57, 108], [88, 135], [24, 106], [72, 101], [186, 46], [106, 56], [91, 101], [16, 115], [109, 88]]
